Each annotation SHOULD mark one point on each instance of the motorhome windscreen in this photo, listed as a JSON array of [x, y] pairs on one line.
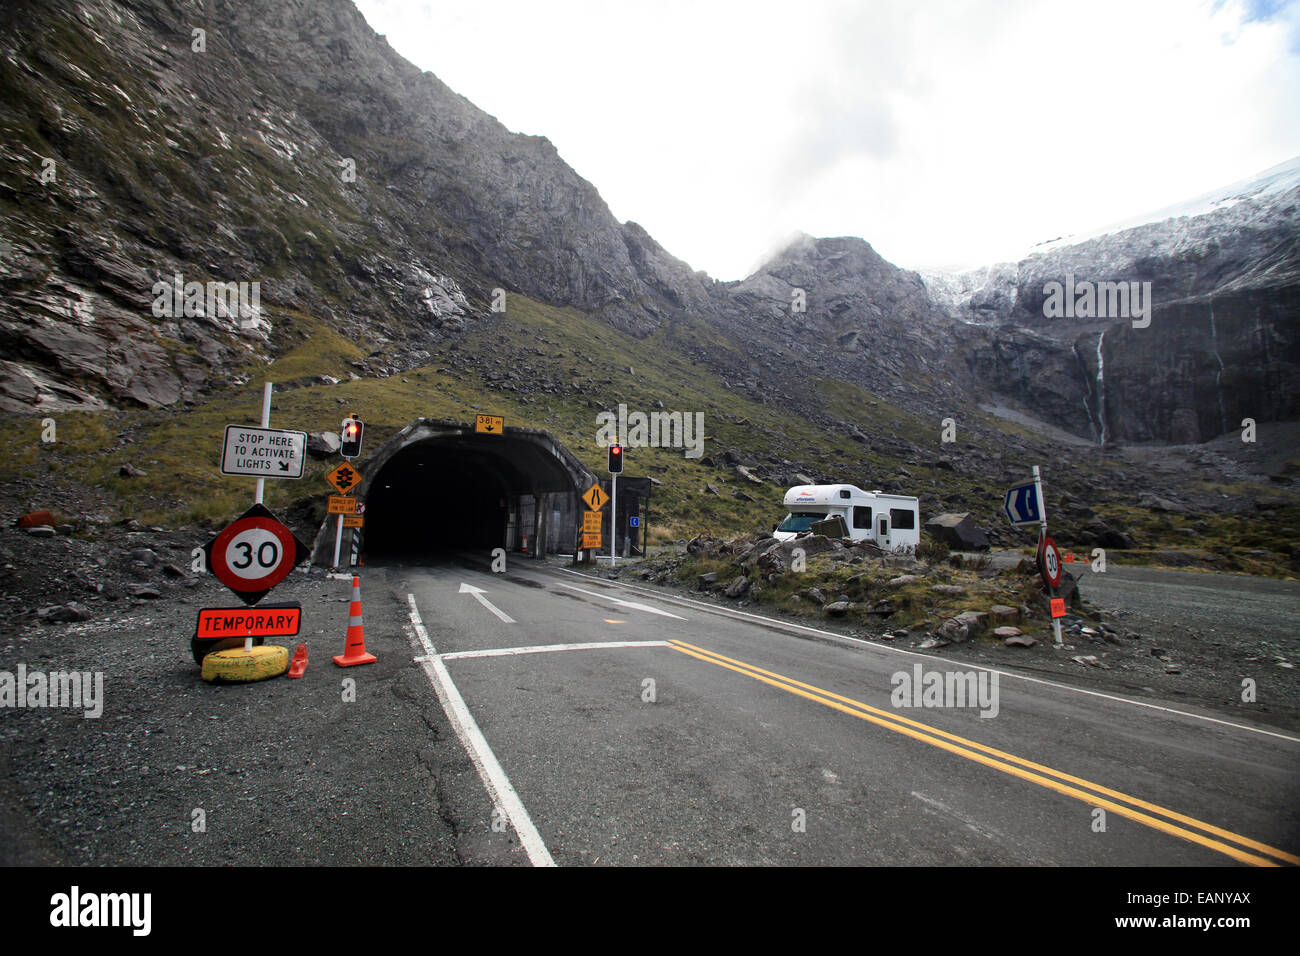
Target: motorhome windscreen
[[799, 521]]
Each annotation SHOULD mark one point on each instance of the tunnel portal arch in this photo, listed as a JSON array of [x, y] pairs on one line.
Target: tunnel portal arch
[[438, 485]]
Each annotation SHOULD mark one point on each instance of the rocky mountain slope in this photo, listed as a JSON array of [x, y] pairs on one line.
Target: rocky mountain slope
[[386, 220], [288, 145], [1223, 341]]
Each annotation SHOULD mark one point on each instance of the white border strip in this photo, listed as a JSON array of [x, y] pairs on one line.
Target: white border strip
[[489, 769], [549, 648], [789, 625]]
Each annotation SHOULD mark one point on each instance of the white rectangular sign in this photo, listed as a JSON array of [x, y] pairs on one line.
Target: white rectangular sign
[[263, 452]]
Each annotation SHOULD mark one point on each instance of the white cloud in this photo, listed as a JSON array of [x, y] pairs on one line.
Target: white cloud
[[946, 134]]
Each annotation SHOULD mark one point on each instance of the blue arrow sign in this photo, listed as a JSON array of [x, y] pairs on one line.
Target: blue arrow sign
[[1022, 505]]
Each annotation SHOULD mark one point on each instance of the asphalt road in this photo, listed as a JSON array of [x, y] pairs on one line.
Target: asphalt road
[[732, 739], [1199, 601]]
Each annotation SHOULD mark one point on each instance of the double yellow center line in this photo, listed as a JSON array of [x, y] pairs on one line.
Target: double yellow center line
[[1095, 795]]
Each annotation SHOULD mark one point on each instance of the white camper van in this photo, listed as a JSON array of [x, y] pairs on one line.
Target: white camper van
[[891, 521]]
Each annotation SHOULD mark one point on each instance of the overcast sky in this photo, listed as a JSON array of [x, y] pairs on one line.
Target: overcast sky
[[946, 134]]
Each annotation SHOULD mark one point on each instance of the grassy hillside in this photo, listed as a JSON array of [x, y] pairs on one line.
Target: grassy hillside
[[566, 368]]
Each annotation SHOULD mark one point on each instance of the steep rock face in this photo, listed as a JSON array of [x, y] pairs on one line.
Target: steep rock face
[[295, 150], [861, 315], [1223, 341]]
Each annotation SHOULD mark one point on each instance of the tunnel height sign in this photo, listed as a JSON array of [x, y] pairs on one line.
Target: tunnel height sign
[[263, 452]]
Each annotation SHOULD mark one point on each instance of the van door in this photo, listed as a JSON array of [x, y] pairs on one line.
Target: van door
[[882, 529]]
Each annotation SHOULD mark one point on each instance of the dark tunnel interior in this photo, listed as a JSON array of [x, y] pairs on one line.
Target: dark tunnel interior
[[454, 491], [432, 498]]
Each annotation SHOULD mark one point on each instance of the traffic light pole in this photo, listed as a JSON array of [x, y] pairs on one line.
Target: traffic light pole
[[613, 521]]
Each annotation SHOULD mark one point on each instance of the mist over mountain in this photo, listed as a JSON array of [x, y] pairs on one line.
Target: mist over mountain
[[291, 147]]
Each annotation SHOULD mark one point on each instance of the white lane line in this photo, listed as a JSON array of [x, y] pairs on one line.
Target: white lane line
[[548, 648], [619, 602], [790, 626], [489, 769], [478, 594]]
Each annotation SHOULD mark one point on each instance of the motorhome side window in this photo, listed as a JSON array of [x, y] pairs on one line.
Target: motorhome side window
[[901, 518], [862, 517]]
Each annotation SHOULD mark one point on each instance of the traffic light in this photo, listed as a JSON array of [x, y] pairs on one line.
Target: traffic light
[[615, 459], [353, 430]]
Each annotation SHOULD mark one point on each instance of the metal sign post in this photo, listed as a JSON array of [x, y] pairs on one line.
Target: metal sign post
[[1042, 537], [261, 482]]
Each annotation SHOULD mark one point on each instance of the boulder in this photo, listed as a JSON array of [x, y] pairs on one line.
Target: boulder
[[958, 530], [738, 587], [323, 444], [1003, 614], [62, 614]]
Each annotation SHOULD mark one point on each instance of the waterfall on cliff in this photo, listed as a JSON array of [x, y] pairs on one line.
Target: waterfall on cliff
[[1218, 388], [1101, 388]]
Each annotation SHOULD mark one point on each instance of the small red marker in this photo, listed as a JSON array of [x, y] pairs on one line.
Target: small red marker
[[299, 663]]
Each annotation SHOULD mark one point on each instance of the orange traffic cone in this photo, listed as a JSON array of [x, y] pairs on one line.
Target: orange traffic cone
[[299, 663], [354, 651]]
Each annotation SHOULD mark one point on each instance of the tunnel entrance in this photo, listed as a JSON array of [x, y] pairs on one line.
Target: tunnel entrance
[[439, 487]]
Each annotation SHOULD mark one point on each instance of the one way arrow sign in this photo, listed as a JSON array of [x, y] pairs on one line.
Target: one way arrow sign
[[1022, 505]]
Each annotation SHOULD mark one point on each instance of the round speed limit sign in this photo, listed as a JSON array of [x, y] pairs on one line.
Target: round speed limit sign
[[1049, 562], [254, 554]]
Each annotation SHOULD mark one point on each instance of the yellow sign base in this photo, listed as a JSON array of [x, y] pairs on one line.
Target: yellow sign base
[[237, 666]]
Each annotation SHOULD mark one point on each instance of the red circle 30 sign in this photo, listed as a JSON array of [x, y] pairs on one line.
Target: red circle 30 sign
[[254, 554]]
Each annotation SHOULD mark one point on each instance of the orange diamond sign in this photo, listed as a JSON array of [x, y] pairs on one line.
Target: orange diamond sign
[[595, 497], [345, 478]]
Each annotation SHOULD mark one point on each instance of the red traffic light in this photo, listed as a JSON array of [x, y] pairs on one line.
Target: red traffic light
[[353, 432], [615, 459]]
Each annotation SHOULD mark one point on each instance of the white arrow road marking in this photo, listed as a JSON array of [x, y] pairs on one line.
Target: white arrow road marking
[[478, 595], [498, 785], [548, 648], [620, 602]]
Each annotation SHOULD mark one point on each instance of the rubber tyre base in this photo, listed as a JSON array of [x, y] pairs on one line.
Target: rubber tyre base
[[237, 666], [202, 648]]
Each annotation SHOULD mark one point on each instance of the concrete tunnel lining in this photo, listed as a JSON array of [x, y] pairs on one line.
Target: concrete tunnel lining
[[478, 481]]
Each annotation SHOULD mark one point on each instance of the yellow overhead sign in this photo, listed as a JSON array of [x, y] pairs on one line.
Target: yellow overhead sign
[[490, 424]]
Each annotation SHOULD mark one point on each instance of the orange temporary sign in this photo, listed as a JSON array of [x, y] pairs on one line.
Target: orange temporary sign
[[1058, 607], [219, 622], [591, 540], [354, 521]]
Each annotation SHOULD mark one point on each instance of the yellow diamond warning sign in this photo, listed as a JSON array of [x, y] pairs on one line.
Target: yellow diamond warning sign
[[595, 497], [345, 478]]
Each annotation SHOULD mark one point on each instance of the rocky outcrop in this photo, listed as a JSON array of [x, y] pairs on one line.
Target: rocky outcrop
[[1222, 342]]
